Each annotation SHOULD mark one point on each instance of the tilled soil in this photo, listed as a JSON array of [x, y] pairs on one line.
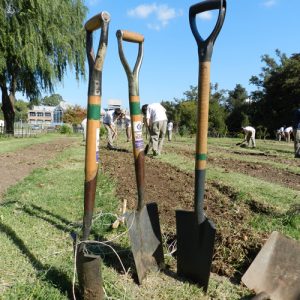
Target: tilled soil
[[14, 166], [236, 244]]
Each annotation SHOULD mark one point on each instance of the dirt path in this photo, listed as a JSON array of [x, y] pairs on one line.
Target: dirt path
[[14, 166]]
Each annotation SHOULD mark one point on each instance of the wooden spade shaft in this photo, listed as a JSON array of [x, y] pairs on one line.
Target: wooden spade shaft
[[201, 139]]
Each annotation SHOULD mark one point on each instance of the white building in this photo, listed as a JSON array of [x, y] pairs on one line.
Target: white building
[[47, 115]]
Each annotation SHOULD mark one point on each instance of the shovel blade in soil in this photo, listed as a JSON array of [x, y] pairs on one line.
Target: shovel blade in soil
[[146, 240], [195, 246], [276, 269]]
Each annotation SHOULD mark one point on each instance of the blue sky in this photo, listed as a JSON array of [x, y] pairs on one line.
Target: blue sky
[[170, 65]]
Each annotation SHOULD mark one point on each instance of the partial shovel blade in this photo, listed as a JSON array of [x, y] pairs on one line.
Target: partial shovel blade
[[276, 269], [146, 241], [195, 247]]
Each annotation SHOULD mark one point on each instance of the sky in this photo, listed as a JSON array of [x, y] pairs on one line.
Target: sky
[[251, 29]]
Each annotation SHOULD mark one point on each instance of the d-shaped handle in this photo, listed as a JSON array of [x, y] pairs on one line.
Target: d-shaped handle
[[205, 47]]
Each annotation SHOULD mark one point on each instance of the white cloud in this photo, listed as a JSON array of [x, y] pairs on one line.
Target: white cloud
[[269, 3], [162, 14], [207, 15], [142, 11]]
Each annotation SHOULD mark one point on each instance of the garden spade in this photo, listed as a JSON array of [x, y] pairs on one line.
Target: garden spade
[[143, 224], [195, 232], [88, 265], [275, 270]]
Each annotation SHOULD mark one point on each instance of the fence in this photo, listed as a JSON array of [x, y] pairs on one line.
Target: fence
[[22, 130]]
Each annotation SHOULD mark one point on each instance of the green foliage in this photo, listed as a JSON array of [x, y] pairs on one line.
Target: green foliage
[[65, 129], [262, 132], [21, 110], [52, 100], [39, 39], [74, 115], [237, 108], [187, 111], [183, 130], [279, 91]]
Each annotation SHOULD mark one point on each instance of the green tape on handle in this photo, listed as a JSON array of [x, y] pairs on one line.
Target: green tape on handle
[[135, 108], [202, 156], [93, 112]]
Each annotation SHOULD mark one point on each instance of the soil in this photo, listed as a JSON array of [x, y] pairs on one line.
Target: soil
[[14, 166], [172, 189]]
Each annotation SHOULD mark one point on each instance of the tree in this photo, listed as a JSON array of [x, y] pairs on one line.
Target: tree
[[237, 106], [185, 111], [74, 115], [236, 98], [21, 110], [217, 112], [39, 39], [278, 93], [52, 100]]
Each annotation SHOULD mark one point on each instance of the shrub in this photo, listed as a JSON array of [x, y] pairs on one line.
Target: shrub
[[65, 129]]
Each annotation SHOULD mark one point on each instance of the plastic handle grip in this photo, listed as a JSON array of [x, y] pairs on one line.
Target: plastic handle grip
[[205, 6]]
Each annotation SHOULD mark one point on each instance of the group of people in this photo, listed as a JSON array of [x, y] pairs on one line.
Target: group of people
[[156, 123], [283, 132]]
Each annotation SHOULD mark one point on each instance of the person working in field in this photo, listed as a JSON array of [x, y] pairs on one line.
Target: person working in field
[[109, 120], [170, 130], [127, 121], [249, 136], [83, 125], [156, 121], [280, 133], [296, 128], [287, 133]]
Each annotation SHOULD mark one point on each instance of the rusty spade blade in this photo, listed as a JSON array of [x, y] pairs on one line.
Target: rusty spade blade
[[276, 269], [143, 224]]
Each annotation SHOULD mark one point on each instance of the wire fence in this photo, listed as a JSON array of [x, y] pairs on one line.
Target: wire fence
[[23, 130]]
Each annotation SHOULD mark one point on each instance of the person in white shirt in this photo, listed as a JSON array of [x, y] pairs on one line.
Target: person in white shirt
[[156, 120], [127, 121], [280, 133], [170, 130], [287, 133], [83, 125], [249, 136], [109, 120]]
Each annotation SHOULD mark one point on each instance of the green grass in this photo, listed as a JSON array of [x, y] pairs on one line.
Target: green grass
[[14, 144]]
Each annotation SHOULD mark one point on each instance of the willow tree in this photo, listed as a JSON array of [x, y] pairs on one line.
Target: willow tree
[[39, 40]]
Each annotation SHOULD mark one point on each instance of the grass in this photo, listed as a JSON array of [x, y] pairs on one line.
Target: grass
[[13, 144], [39, 213]]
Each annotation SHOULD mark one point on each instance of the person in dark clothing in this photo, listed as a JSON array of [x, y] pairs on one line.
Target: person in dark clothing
[[296, 128]]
